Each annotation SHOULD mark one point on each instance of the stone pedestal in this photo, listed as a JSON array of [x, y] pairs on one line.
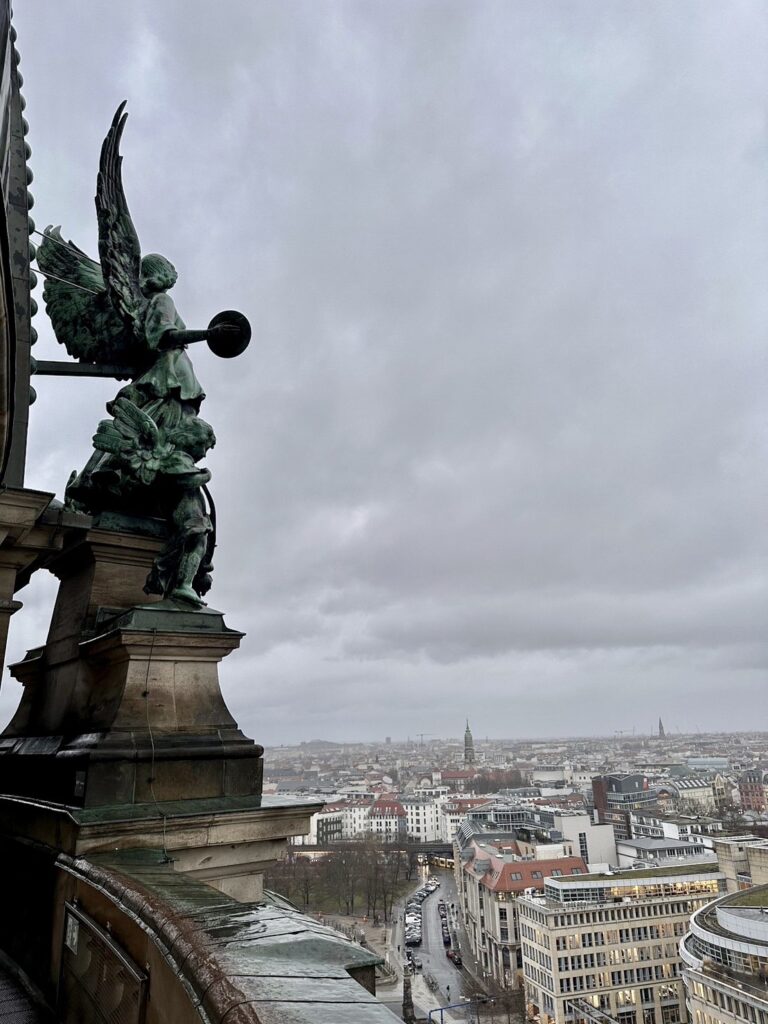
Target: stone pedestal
[[123, 705], [122, 737], [132, 714]]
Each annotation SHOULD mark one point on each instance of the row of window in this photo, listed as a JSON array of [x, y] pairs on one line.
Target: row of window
[[612, 936], [640, 897], [606, 979], [744, 963], [544, 981], [736, 1007], [669, 1015], [536, 955], [621, 955]]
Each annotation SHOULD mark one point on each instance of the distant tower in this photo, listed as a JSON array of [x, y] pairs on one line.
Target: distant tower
[[469, 746], [662, 734]]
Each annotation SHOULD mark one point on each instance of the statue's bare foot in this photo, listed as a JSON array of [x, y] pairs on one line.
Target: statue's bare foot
[[186, 593]]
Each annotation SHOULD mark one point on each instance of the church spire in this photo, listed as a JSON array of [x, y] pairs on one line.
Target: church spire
[[469, 746]]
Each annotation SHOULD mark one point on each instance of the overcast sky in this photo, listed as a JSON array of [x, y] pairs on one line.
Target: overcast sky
[[498, 448]]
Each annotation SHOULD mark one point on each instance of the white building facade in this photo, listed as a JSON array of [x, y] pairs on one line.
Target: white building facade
[[609, 944], [725, 960]]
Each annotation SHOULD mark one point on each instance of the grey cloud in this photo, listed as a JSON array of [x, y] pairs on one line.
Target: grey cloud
[[501, 430]]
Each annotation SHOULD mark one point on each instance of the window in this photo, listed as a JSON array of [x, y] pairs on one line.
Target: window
[[535, 874], [583, 849]]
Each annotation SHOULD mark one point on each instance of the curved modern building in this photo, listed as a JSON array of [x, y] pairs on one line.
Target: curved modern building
[[725, 960]]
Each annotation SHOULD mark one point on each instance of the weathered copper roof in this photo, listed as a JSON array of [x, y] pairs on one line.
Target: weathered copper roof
[[276, 965]]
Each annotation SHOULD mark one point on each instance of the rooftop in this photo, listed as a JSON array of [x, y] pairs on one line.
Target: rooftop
[[263, 957], [662, 844], [661, 871]]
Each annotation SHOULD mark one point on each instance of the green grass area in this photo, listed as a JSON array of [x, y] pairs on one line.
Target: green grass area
[[661, 869], [750, 898]]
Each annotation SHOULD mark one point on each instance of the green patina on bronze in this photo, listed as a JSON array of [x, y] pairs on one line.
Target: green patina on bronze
[[116, 316]]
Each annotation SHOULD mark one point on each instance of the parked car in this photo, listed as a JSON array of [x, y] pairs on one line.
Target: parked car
[[457, 959]]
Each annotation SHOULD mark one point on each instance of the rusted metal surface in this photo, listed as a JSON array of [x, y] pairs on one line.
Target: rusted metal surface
[[242, 963]]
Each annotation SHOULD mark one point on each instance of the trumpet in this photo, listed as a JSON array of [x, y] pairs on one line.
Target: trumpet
[[228, 335]]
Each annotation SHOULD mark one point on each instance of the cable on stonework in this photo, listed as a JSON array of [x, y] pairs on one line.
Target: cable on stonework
[[69, 284], [75, 253], [159, 809], [81, 257]]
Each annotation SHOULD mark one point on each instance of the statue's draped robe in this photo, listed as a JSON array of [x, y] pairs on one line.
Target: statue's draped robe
[[171, 375], [167, 390]]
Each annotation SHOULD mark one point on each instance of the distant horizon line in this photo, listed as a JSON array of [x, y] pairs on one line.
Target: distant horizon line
[[622, 736]]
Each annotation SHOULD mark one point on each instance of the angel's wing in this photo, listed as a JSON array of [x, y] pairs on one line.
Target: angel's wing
[[134, 422], [119, 248], [84, 320], [136, 440]]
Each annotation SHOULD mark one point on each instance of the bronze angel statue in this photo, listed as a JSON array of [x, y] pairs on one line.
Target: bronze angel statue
[[117, 316]]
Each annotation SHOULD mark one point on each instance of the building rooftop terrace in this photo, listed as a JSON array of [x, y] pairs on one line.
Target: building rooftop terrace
[[754, 898], [660, 871]]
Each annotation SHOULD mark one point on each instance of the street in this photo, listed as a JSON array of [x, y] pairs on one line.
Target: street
[[452, 982], [438, 982]]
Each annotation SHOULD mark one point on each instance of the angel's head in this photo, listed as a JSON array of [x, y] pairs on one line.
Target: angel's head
[[157, 273], [193, 436]]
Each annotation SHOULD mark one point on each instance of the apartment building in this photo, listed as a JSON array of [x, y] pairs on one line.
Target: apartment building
[[387, 819], [607, 944], [325, 826], [707, 793], [595, 843], [646, 852], [422, 819], [355, 818], [753, 790], [428, 791], [491, 874], [725, 960], [657, 824], [453, 812], [614, 796]]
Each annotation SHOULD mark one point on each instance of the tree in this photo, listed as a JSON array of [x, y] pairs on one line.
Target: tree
[[341, 876], [491, 781], [305, 880], [412, 853]]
